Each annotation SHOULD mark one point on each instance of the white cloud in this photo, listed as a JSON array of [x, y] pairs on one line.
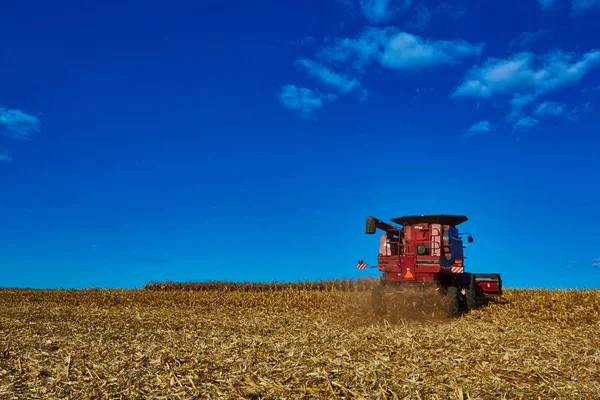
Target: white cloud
[[526, 72], [5, 156], [397, 50], [549, 108], [581, 6], [526, 76], [303, 100], [596, 262], [526, 122], [17, 124], [406, 51], [329, 77], [546, 4], [387, 47], [378, 11], [480, 127]]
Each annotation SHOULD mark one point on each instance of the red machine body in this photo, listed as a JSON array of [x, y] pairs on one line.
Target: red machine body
[[427, 248]]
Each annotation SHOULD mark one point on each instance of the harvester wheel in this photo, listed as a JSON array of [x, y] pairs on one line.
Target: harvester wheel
[[377, 299], [471, 294], [452, 301]]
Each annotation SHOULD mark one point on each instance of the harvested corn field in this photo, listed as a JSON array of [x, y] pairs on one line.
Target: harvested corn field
[[188, 341]]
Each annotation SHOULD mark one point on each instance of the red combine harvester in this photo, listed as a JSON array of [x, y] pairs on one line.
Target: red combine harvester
[[428, 252]]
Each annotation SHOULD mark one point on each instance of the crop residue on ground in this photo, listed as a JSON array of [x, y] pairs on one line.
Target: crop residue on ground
[[293, 343]]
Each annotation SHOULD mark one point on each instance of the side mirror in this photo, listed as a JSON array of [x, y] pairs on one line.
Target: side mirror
[[371, 227], [470, 239]]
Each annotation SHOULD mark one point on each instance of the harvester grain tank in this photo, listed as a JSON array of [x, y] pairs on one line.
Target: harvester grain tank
[[427, 252]]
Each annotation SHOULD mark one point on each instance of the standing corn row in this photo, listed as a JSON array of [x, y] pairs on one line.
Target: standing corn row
[[344, 284]]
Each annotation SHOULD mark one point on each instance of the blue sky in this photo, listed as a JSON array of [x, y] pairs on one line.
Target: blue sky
[[144, 141]]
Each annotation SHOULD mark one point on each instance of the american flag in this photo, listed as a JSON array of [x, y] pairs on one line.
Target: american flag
[[361, 265]]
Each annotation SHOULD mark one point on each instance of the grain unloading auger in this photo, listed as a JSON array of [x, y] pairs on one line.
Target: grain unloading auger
[[427, 252]]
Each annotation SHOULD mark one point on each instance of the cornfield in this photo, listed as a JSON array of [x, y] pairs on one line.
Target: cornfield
[[360, 284], [223, 340]]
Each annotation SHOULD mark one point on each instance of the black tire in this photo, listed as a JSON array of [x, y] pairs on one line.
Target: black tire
[[377, 299], [452, 301], [471, 294]]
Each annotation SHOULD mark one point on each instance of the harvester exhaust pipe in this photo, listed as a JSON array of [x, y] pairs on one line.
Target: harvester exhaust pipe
[[371, 226]]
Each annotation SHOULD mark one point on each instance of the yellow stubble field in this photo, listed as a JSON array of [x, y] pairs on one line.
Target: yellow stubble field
[[224, 342]]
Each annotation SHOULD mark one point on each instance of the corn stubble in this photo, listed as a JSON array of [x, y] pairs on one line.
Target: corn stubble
[[306, 340]]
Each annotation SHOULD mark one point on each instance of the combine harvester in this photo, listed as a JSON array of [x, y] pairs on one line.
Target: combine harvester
[[427, 253]]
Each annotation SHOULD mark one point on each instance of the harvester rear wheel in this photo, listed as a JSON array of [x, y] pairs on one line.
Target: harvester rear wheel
[[452, 301], [471, 294]]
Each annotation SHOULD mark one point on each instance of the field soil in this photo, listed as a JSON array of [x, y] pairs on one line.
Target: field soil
[[224, 343]]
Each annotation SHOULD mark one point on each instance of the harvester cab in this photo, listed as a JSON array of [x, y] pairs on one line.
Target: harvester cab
[[428, 250]]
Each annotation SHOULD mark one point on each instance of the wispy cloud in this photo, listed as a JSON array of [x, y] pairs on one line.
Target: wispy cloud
[[397, 50], [17, 124], [303, 100], [383, 11], [479, 128], [328, 77], [549, 108], [526, 39], [547, 4], [452, 10], [591, 90], [596, 262], [5, 156], [526, 72], [577, 111], [524, 77], [307, 41], [380, 11], [582, 6], [332, 79], [387, 47], [421, 17], [422, 90], [525, 123]]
